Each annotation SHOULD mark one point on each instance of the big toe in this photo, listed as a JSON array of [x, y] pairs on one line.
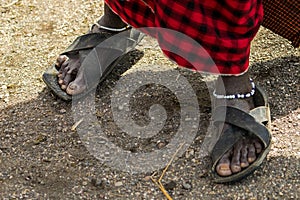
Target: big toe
[[74, 88], [223, 166], [223, 169], [60, 60]]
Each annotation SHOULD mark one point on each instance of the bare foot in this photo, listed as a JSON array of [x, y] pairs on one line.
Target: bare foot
[[70, 77], [245, 151], [68, 72]]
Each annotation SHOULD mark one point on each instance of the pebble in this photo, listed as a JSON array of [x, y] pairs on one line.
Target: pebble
[[147, 178], [170, 186], [62, 111], [77, 190], [84, 183], [40, 138], [189, 153], [96, 182], [186, 185], [4, 87], [118, 184], [160, 145]]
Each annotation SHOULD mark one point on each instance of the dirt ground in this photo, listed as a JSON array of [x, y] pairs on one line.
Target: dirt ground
[[42, 157]]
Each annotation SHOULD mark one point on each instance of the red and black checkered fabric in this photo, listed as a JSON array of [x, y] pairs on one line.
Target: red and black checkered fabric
[[224, 28], [283, 17]]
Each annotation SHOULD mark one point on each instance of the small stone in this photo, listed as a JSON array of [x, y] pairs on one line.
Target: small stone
[[186, 185], [138, 194], [84, 183], [77, 190], [118, 184], [161, 145], [62, 111], [96, 182], [171, 185], [147, 178], [40, 138], [189, 153]]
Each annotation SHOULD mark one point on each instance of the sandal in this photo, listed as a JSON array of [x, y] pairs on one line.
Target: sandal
[[256, 123], [89, 46]]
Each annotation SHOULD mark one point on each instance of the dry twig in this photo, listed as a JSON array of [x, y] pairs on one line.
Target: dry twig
[[76, 125], [158, 182]]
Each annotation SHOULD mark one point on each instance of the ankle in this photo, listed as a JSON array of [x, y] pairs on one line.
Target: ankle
[[110, 19], [238, 87], [230, 85]]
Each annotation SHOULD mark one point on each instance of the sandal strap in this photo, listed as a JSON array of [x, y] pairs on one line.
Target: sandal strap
[[226, 141], [91, 40], [261, 114], [96, 63], [243, 120], [87, 41]]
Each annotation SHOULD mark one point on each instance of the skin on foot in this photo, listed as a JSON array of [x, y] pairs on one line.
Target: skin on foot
[[70, 77], [245, 151]]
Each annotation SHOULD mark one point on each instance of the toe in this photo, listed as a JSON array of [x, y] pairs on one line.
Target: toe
[[78, 85], [251, 153], [258, 146], [223, 167], [244, 157], [69, 77], [74, 89], [235, 161], [63, 87], [62, 73], [60, 60]]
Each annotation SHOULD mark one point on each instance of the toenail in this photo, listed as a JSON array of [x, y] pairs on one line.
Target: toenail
[[250, 160], [243, 165]]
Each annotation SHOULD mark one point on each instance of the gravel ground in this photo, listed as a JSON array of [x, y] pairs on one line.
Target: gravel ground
[[42, 157]]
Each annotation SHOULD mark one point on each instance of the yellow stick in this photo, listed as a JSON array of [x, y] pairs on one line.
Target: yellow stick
[[158, 182]]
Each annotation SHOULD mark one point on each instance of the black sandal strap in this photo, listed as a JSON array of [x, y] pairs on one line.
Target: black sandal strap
[[226, 141], [87, 41], [242, 120]]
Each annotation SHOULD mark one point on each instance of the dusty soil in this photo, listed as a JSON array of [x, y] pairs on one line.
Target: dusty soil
[[42, 157]]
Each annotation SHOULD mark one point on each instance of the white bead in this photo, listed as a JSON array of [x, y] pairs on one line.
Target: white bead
[[238, 96]]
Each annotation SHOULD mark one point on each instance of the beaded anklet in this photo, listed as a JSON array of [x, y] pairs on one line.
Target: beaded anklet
[[111, 29], [236, 96]]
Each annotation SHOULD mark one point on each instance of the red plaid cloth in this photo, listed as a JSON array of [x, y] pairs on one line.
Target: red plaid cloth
[[283, 17], [224, 28]]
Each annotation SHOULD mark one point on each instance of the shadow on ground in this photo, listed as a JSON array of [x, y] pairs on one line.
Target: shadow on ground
[[41, 157]]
